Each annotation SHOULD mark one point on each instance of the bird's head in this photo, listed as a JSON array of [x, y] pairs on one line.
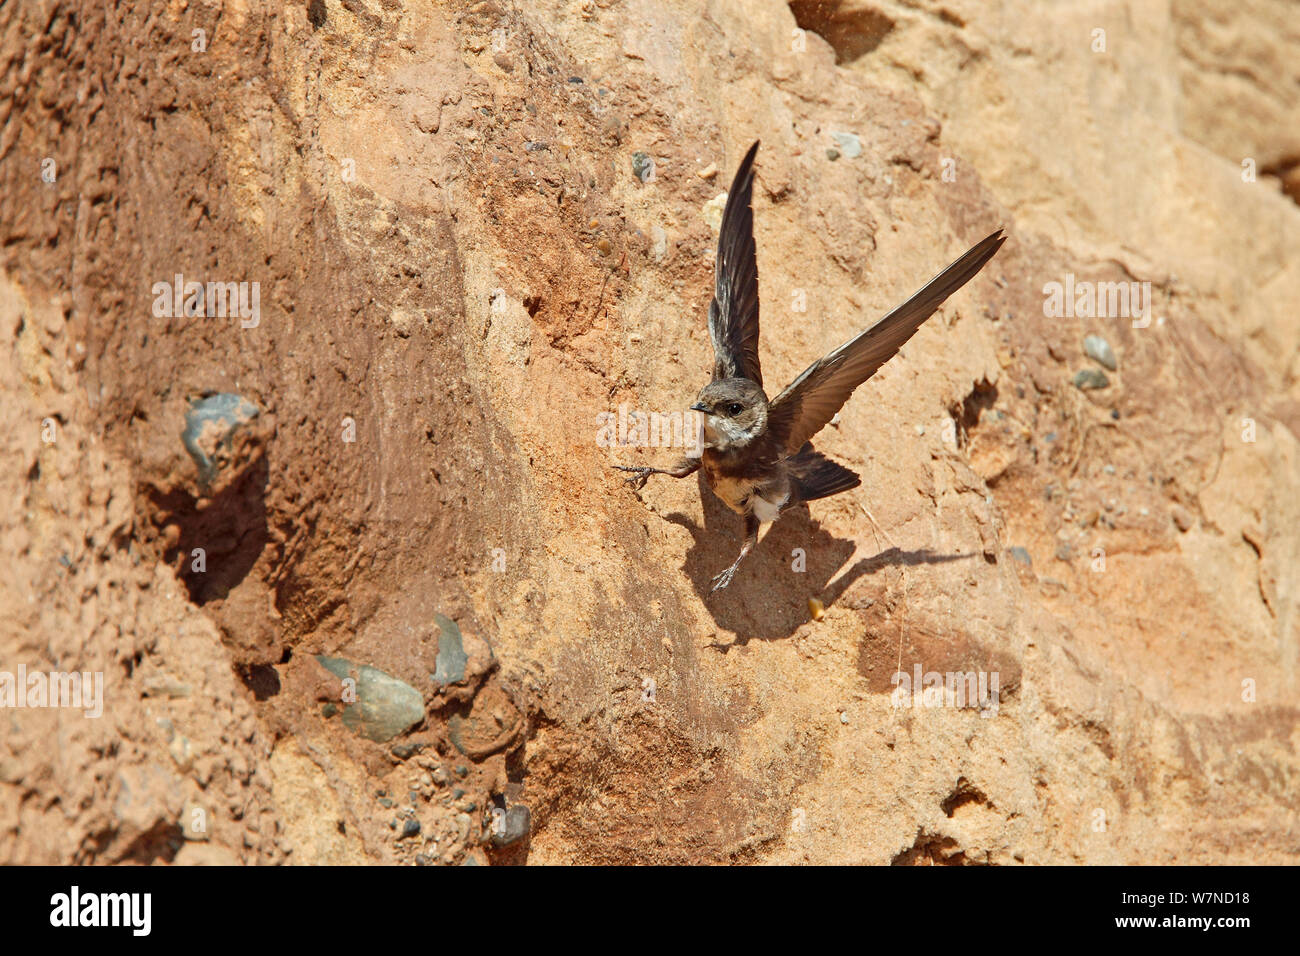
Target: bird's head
[[735, 413]]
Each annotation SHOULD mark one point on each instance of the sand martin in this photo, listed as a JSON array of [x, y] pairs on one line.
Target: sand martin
[[757, 455]]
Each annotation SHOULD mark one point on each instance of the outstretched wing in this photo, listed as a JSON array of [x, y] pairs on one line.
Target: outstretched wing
[[812, 400], [733, 313]]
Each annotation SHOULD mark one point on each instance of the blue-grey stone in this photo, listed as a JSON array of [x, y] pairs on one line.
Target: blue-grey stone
[[643, 166], [1021, 555], [1090, 378], [385, 706], [451, 660], [213, 421], [1099, 350], [518, 820]]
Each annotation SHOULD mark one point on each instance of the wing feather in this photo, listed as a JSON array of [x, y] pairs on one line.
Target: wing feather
[[733, 313], [812, 400]]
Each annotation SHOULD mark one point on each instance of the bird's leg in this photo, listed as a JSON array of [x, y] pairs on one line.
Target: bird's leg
[[687, 466], [751, 539]]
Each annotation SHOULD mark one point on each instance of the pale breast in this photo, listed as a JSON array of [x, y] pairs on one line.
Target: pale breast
[[766, 510], [744, 496]]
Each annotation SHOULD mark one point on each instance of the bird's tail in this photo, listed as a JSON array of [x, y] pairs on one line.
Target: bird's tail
[[816, 476]]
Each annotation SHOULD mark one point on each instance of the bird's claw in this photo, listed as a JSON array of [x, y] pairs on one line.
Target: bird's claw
[[640, 474], [720, 581]]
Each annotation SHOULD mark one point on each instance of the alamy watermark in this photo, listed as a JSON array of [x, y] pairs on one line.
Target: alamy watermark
[[650, 430], [216, 300], [1098, 300], [84, 689], [961, 689], [132, 911]]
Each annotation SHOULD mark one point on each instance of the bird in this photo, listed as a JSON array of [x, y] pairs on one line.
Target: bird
[[757, 452]]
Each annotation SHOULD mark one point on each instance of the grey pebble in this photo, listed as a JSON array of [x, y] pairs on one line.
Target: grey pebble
[[1099, 350], [515, 826], [1090, 378], [385, 706], [449, 665], [643, 166], [227, 412]]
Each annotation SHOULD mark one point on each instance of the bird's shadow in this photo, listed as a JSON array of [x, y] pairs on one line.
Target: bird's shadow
[[795, 561]]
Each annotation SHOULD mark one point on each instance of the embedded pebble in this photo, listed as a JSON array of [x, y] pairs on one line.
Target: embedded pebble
[[451, 660], [849, 144], [1090, 378], [712, 211], [658, 243], [514, 827], [1099, 350], [385, 706], [643, 166], [210, 424]]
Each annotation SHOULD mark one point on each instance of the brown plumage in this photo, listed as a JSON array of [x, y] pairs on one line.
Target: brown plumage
[[757, 455]]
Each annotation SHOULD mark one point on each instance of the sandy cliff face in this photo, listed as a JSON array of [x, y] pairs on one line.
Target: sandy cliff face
[[458, 271]]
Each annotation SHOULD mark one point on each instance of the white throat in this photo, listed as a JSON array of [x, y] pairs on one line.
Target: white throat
[[723, 434]]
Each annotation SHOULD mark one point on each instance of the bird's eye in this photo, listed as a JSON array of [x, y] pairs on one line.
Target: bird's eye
[[734, 409]]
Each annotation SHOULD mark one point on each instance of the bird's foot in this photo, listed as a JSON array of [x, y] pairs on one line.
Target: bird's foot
[[720, 581], [639, 475]]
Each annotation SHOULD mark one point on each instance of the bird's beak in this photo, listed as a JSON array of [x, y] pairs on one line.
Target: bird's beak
[[700, 407]]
